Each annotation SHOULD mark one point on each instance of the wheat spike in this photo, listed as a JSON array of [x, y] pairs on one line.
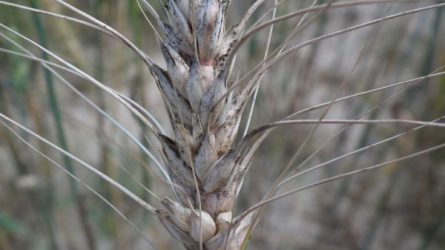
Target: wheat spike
[[204, 164]]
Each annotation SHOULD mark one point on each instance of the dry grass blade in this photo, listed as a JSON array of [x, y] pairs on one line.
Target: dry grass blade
[[261, 68], [97, 83], [101, 197], [46, 64], [83, 74], [362, 149], [367, 92], [266, 53], [118, 35], [82, 163], [56, 15], [305, 11], [338, 177]]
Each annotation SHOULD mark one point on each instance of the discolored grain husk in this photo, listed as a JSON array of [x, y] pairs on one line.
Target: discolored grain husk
[[205, 119]]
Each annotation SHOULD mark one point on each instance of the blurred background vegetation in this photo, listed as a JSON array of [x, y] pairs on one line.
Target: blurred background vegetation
[[399, 207]]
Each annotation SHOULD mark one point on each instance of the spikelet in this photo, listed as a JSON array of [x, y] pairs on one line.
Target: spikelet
[[179, 215], [177, 68], [210, 28], [205, 156], [200, 80], [203, 226], [184, 7], [219, 174], [223, 221], [212, 103], [179, 22]]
